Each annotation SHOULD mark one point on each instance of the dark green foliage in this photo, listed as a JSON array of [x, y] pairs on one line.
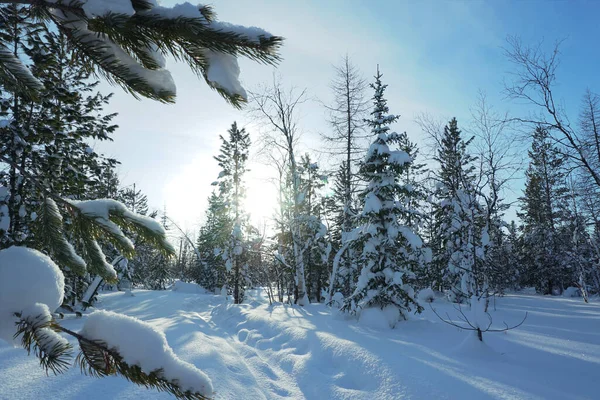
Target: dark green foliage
[[454, 201], [542, 215]]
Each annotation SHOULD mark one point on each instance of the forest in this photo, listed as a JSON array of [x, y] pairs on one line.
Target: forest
[[372, 225]]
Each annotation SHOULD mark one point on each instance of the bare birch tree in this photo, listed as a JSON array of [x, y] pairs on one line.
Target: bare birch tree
[[275, 108]]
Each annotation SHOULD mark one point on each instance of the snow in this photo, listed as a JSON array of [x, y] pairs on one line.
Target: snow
[[399, 157], [572, 291], [183, 10], [187, 287], [381, 319], [101, 209], [27, 278], [133, 339], [257, 351], [426, 295], [372, 204], [224, 72]]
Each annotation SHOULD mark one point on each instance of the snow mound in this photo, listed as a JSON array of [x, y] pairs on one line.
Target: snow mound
[[472, 347], [426, 295], [377, 318], [337, 300], [188, 287], [572, 291], [528, 290], [27, 277], [141, 344]]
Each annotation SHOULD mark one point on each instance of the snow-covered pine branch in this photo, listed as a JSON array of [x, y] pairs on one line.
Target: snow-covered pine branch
[[126, 41], [32, 287]]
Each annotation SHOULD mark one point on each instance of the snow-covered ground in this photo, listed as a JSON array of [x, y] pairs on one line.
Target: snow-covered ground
[[257, 351]]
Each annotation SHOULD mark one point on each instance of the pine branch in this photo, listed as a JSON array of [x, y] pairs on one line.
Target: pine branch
[[38, 332], [50, 231], [15, 75], [124, 48]]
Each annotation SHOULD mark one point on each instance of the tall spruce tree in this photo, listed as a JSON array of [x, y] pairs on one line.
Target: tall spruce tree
[[459, 236], [385, 246], [542, 214], [312, 230], [232, 160]]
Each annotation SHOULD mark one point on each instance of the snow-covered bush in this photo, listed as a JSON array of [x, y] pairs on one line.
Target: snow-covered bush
[[426, 295], [377, 318], [572, 291]]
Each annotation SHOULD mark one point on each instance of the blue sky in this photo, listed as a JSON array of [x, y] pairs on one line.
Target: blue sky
[[435, 56]]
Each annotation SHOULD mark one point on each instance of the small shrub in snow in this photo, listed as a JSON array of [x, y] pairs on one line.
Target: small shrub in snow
[[337, 300], [528, 290], [572, 291], [477, 319], [426, 295]]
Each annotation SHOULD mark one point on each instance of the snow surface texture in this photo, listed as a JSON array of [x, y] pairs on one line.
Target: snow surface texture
[[141, 344], [28, 279], [187, 287], [257, 351]]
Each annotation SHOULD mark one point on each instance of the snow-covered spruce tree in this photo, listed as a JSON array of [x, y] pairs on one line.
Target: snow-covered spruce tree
[[346, 272], [541, 213], [459, 217], [315, 247], [385, 245], [414, 198], [213, 237], [49, 139], [232, 160], [127, 41]]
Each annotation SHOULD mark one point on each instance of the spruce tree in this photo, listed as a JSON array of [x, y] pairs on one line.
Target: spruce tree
[[385, 246], [542, 214], [312, 230], [232, 160], [459, 236], [213, 237], [345, 271]]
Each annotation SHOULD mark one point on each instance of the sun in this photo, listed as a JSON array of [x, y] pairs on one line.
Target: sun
[[261, 196]]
